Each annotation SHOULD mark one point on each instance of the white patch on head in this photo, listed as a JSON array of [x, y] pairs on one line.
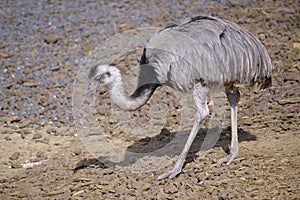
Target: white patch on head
[[104, 74]]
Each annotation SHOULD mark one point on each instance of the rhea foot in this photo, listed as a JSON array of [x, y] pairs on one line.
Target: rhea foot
[[229, 158], [173, 172]]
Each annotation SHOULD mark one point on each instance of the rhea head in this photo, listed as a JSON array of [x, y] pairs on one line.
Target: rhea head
[[104, 75]]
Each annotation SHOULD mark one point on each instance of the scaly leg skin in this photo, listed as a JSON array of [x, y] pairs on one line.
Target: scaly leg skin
[[200, 93], [233, 97]]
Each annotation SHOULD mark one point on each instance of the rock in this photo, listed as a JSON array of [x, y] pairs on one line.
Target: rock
[[55, 68], [262, 36], [170, 189], [5, 106], [12, 119], [223, 195], [14, 156], [7, 138], [2, 114], [8, 55], [260, 182], [146, 186], [35, 160], [294, 100], [2, 132], [65, 131], [37, 136], [137, 185], [27, 71], [77, 151], [107, 171], [16, 166], [46, 140], [51, 131], [19, 106], [296, 45], [107, 179], [37, 68], [40, 154], [31, 84], [25, 123]]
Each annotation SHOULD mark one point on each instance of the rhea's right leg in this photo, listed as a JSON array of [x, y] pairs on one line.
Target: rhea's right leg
[[233, 96]]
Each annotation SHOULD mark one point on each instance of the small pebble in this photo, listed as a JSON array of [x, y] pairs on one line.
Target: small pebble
[[51, 131], [40, 154], [223, 195], [14, 156], [12, 119], [37, 136], [77, 151], [16, 166], [7, 138], [146, 186], [170, 189]]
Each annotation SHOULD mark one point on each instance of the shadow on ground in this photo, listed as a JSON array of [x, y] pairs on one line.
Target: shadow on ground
[[151, 144]]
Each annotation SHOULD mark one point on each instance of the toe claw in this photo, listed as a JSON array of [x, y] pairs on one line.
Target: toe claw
[[172, 173], [163, 176], [228, 159]]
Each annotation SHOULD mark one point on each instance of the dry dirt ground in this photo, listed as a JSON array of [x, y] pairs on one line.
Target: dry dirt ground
[[42, 156]]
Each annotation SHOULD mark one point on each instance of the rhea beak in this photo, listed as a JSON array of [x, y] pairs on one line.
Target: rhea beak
[[91, 86]]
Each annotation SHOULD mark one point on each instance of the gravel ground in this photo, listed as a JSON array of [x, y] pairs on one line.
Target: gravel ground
[[42, 44]]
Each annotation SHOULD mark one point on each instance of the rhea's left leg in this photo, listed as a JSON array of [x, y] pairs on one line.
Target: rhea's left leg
[[233, 96]]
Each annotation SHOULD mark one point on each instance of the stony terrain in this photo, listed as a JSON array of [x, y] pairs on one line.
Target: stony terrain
[[41, 46]]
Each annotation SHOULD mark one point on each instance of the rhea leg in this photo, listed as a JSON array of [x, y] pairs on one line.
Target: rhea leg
[[200, 93], [233, 96]]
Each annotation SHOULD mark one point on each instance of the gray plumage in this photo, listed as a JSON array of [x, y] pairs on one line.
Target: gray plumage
[[210, 49], [194, 55]]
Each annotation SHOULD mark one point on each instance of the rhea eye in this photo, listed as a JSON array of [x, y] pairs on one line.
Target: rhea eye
[[107, 74], [100, 78]]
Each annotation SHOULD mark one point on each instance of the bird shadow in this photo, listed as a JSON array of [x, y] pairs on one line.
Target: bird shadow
[[144, 146]]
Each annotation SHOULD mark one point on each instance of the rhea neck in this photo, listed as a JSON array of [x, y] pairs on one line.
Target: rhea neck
[[137, 99]]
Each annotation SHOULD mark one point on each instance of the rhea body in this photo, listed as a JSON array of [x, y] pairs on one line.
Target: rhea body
[[192, 56]]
